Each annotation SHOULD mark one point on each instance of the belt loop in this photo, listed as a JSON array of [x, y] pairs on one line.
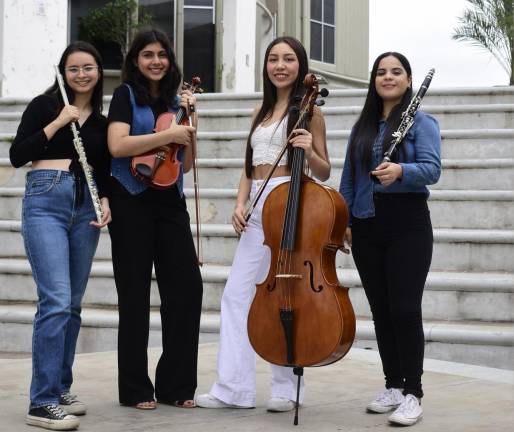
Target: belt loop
[[58, 176]]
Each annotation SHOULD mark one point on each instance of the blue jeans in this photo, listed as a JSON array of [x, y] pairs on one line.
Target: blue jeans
[[60, 245]]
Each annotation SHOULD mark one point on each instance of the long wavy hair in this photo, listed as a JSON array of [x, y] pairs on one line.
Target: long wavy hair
[[269, 97], [131, 74], [97, 96], [365, 130]]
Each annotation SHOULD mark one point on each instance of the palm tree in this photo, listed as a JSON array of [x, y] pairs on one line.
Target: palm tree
[[489, 25]]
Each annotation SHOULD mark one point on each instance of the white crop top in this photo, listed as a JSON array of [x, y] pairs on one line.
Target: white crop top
[[267, 142]]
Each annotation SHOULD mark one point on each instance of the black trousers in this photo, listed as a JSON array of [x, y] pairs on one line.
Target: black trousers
[[152, 228], [393, 252]]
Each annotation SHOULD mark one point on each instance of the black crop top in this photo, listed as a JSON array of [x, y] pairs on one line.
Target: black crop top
[[31, 143]]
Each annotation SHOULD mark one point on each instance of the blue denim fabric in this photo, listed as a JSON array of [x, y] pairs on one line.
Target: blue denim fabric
[[420, 161], [60, 245], [143, 123]]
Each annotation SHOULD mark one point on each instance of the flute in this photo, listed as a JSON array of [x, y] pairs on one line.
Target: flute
[[79, 148]]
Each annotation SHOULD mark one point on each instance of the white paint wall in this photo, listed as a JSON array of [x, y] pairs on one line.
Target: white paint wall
[[33, 35], [238, 46]]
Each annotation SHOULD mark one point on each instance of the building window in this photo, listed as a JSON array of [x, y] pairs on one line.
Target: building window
[[199, 41], [162, 16], [323, 30]]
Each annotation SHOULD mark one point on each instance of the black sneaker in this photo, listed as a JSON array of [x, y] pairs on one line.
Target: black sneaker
[[72, 405], [51, 417]]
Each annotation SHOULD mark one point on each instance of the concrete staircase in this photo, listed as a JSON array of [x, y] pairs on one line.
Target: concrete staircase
[[469, 298]]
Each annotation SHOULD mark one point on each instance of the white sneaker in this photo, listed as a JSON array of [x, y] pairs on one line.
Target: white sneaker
[[278, 404], [408, 413], [207, 400], [386, 401]]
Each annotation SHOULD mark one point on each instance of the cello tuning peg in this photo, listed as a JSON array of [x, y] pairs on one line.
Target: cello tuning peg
[[294, 110], [297, 98], [323, 92], [320, 102]]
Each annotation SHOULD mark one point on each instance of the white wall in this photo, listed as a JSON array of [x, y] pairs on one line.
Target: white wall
[[33, 36], [238, 46]]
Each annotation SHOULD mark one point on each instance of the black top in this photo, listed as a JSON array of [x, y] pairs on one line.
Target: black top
[[121, 109], [31, 143]]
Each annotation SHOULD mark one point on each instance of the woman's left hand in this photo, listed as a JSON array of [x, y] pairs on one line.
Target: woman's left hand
[[388, 172], [188, 101], [106, 212], [302, 138]]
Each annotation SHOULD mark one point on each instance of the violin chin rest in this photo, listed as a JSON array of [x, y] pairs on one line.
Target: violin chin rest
[[144, 170]]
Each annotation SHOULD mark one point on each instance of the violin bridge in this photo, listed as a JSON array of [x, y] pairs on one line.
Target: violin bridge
[[289, 276]]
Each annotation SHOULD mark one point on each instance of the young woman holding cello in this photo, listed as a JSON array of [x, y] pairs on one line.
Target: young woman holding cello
[[152, 228], [285, 66], [391, 233]]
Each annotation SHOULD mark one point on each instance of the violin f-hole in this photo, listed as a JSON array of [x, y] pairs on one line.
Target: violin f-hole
[[311, 277]]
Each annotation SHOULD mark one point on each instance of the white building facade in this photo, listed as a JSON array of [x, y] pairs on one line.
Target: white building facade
[[222, 41]]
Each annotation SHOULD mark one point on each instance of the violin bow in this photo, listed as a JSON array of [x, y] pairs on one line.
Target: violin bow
[[194, 86]]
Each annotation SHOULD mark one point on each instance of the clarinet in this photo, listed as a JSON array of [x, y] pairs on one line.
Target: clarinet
[[79, 147], [407, 119]]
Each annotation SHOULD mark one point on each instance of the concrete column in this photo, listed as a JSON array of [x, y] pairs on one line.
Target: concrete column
[[33, 35], [238, 46]]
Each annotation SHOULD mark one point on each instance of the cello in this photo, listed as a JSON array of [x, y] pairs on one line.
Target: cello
[[301, 316]]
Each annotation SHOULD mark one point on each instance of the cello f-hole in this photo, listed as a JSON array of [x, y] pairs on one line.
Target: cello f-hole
[[311, 277]]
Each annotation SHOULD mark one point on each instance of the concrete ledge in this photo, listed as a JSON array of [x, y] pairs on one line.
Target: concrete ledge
[[462, 333], [438, 281], [443, 235]]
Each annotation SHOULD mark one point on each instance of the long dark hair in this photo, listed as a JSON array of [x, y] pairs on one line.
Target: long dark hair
[[97, 96], [366, 129], [269, 97], [131, 74]]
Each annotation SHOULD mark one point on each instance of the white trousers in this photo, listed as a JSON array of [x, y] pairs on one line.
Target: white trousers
[[236, 357]]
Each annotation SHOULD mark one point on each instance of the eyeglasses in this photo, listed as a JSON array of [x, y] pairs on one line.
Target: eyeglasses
[[88, 69]]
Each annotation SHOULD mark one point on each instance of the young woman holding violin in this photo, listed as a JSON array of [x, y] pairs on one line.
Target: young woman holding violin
[[59, 225], [285, 66], [152, 229], [391, 233]]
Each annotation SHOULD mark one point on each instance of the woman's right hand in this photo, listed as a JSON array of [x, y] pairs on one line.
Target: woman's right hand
[[68, 114], [347, 241], [238, 219], [179, 134]]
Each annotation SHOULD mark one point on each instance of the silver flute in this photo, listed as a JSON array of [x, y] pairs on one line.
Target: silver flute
[[79, 148]]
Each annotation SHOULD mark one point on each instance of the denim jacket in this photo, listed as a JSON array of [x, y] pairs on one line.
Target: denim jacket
[[420, 161], [143, 122]]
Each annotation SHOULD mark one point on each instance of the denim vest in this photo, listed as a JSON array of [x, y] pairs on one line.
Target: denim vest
[[143, 123]]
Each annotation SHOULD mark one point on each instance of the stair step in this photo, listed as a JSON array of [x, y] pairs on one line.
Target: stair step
[[448, 295], [454, 249], [472, 342], [235, 119], [480, 144], [449, 208]]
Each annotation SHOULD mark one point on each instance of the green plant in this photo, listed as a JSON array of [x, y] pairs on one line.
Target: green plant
[[116, 22], [489, 25]]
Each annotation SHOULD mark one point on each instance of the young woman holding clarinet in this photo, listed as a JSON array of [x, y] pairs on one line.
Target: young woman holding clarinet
[[285, 66], [390, 231], [60, 226], [151, 228]]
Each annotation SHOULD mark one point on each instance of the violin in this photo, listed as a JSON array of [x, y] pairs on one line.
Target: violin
[[160, 167], [301, 315]]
